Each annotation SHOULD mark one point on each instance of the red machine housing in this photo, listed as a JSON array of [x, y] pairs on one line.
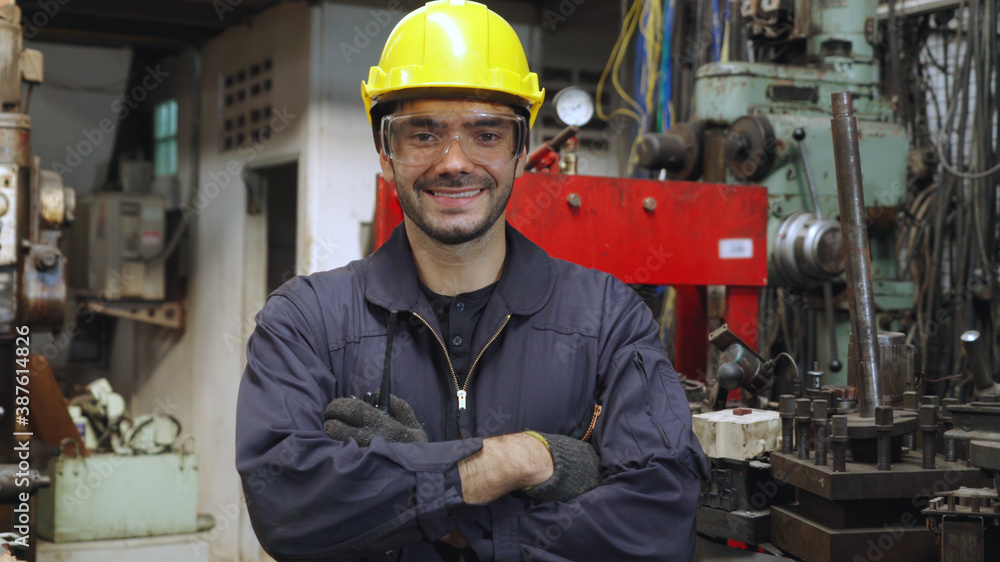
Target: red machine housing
[[685, 234]]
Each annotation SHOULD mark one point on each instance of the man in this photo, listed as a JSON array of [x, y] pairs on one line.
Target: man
[[482, 337]]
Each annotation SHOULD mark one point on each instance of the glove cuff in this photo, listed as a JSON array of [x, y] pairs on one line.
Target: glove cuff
[[544, 441]]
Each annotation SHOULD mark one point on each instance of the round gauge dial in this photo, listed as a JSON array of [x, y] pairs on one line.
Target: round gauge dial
[[574, 106]]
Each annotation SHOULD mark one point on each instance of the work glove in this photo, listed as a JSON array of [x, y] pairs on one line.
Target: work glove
[[356, 419], [576, 469]]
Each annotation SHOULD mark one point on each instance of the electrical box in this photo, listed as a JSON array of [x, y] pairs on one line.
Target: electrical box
[[114, 247]]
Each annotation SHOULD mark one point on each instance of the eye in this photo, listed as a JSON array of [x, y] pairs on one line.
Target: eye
[[422, 137], [488, 136]]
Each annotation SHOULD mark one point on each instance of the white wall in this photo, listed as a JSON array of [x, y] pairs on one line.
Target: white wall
[[199, 375], [81, 85]]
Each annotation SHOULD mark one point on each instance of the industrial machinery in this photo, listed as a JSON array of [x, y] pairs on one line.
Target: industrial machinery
[[767, 123], [870, 504], [123, 236], [34, 208]]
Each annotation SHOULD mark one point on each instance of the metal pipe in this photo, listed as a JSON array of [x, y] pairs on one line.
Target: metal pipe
[[860, 291], [979, 362]]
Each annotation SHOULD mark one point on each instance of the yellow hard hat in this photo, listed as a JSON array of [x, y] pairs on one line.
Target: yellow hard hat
[[454, 44]]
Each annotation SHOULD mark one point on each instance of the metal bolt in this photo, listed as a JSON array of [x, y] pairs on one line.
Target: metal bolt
[[649, 204], [574, 200], [803, 417], [814, 380], [827, 395], [46, 260], [786, 409], [839, 443], [910, 441], [932, 400], [883, 428], [820, 423], [910, 400], [950, 449], [928, 432], [947, 422]]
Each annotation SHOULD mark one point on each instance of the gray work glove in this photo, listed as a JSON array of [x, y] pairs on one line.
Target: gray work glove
[[576, 469], [355, 419]]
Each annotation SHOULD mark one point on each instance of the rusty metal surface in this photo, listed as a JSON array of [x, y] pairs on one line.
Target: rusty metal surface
[[857, 253], [43, 293], [695, 235], [904, 539], [962, 541], [863, 481]]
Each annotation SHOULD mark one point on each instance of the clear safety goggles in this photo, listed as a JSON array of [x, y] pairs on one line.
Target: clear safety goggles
[[422, 139]]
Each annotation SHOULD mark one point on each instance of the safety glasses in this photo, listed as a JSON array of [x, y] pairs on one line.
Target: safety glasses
[[422, 139]]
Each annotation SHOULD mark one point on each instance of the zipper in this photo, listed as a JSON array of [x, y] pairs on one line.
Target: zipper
[[472, 369], [444, 348], [593, 422], [462, 391]]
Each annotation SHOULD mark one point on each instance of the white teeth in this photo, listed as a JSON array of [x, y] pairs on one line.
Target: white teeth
[[458, 195]]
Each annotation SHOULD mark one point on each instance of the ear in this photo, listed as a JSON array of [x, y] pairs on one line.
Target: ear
[[387, 172], [522, 161]]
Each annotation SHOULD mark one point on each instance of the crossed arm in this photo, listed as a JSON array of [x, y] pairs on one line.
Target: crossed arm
[[390, 495]]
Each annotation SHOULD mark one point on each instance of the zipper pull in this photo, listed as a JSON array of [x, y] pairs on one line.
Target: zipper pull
[[461, 399]]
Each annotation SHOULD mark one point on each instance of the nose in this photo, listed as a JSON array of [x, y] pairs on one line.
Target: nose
[[454, 161]]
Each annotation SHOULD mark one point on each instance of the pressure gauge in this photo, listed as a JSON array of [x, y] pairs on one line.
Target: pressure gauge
[[574, 106]]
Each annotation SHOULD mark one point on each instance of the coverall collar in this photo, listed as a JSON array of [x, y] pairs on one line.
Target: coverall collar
[[524, 286]]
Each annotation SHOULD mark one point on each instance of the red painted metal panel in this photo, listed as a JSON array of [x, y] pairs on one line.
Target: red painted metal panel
[[691, 332], [678, 242], [742, 305]]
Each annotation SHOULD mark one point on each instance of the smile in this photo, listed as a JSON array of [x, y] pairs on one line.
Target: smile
[[462, 195]]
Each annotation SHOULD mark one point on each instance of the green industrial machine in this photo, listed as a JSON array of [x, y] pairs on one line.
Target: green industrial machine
[[768, 123]]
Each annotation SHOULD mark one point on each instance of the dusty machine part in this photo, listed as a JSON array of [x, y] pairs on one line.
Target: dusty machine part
[[968, 519], [979, 421], [883, 426], [678, 151], [813, 381], [950, 443], [910, 405], [803, 417], [808, 250], [13, 483], [839, 440], [860, 290], [928, 430], [820, 422], [750, 147], [895, 366], [977, 350], [786, 409]]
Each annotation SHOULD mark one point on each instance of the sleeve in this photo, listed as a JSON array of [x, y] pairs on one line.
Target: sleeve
[[652, 463], [313, 498]]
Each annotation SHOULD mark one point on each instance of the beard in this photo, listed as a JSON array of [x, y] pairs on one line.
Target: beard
[[469, 227]]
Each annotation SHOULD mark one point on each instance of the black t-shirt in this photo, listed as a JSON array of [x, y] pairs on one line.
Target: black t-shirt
[[458, 317]]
